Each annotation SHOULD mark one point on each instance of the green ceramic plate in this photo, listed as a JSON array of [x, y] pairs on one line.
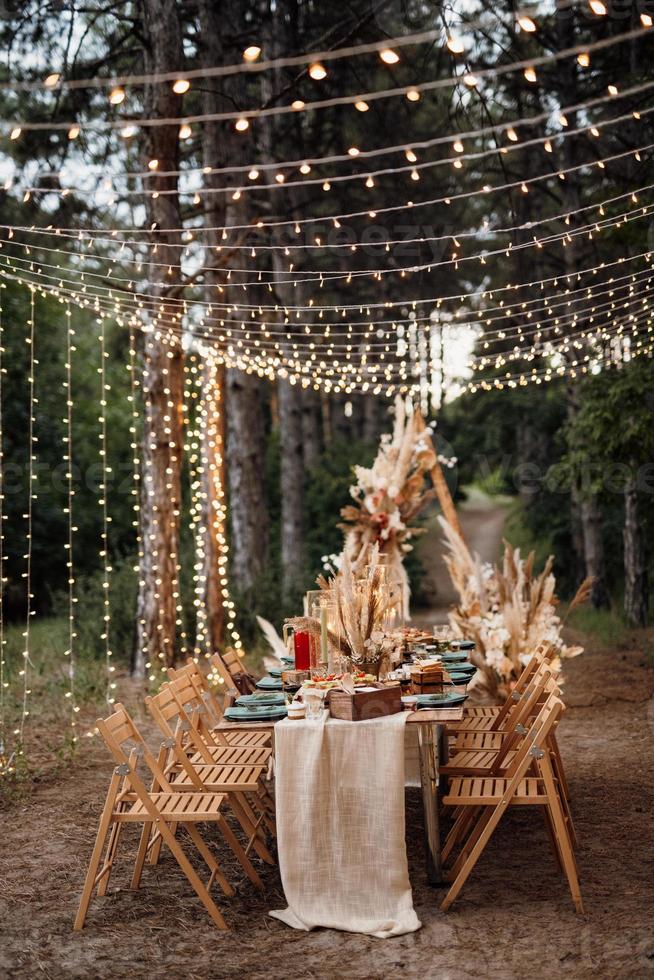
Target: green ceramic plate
[[275, 671], [270, 684], [446, 700], [265, 700], [270, 713], [463, 644], [288, 661], [454, 658]]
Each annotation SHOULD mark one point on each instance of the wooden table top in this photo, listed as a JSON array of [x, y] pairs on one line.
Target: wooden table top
[[425, 716]]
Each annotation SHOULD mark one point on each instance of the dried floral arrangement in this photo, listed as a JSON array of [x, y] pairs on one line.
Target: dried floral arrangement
[[388, 497], [358, 607], [509, 612]]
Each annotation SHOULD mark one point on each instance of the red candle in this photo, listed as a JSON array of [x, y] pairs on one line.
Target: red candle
[[302, 645]]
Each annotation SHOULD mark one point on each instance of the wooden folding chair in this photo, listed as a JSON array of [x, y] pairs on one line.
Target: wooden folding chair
[[161, 811], [487, 799], [483, 718], [486, 761], [236, 770], [208, 697], [234, 675]]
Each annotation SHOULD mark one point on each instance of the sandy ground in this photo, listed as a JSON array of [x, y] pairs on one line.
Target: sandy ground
[[514, 918]]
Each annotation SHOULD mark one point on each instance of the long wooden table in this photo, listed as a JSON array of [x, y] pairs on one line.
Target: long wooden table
[[432, 748]]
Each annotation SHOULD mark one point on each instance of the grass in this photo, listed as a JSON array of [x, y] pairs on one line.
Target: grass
[[605, 628]]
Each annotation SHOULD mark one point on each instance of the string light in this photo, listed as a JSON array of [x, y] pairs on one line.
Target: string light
[[106, 519], [317, 71], [133, 400], [251, 53], [117, 96], [388, 56], [68, 511], [455, 44], [32, 496], [241, 124], [5, 757], [181, 86], [51, 81], [526, 23], [597, 7]]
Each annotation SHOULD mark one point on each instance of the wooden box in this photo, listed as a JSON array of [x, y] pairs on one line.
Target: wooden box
[[364, 706], [427, 681]]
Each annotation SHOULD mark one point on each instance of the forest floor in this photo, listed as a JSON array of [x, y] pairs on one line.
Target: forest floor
[[513, 919]]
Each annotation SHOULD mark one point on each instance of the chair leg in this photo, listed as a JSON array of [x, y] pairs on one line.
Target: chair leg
[[210, 860], [551, 833], [240, 854], [458, 830], [194, 879], [469, 844], [489, 822], [561, 831], [142, 853], [249, 826], [110, 858], [98, 848]]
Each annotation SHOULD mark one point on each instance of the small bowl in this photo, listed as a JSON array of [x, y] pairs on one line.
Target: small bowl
[[296, 710], [410, 702]]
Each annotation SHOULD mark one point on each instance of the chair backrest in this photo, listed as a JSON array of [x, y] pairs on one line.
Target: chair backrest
[[224, 675], [541, 687], [118, 731], [532, 742], [203, 689], [193, 713]]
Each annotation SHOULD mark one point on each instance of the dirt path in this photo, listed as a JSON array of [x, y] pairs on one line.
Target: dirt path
[[513, 920], [482, 523]]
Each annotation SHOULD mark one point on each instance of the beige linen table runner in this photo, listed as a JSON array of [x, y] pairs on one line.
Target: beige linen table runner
[[339, 793]]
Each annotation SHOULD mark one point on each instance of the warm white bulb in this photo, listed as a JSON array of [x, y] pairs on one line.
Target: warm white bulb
[[455, 44], [153, 164], [52, 80], [361, 105], [613, 89], [530, 74], [410, 155], [241, 124], [597, 7], [646, 20], [15, 133], [526, 23], [297, 105], [185, 131], [181, 85], [388, 56], [353, 151], [252, 52], [512, 135], [116, 96], [458, 146], [470, 80], [413, 95], [583, 58], [317, 71], [305, 169], [73, 132], [128, 131], [254, 173]]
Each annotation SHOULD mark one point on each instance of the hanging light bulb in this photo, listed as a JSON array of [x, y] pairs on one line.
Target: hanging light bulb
[[361, 105], [116, 96], [185, 131], [353, 151], [388, 56], [15, 133], [181, 85], [530, 74], [251, 53], [153, 164], [317, 71], [613, 89], [547, 146], [455, 44], [413, 95], [73, 132], [512, 135], [305, 169], [370, 182], [326, 186], [415, 175], [597, 7], [583, 59], [52, 80], [127, 132], [254, 173], [646, 20], [410, 155], [297, 105], [280, 178], [526, 23], [563, 119], [241, 124], [458, 146]]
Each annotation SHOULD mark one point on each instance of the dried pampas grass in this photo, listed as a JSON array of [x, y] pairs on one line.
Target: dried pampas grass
[[509, 612]]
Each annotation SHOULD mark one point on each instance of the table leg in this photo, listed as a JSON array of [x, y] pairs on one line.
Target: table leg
[[428, 747]]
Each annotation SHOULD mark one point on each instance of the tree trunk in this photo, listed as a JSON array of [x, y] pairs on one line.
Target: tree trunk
[[591, 526], [213, 504], [240, 404], [159, 604], [636, 595], [292, 485], [245, 465], [311, 427]]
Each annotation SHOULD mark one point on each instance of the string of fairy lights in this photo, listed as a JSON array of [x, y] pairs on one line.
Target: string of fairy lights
[[566, 326]]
